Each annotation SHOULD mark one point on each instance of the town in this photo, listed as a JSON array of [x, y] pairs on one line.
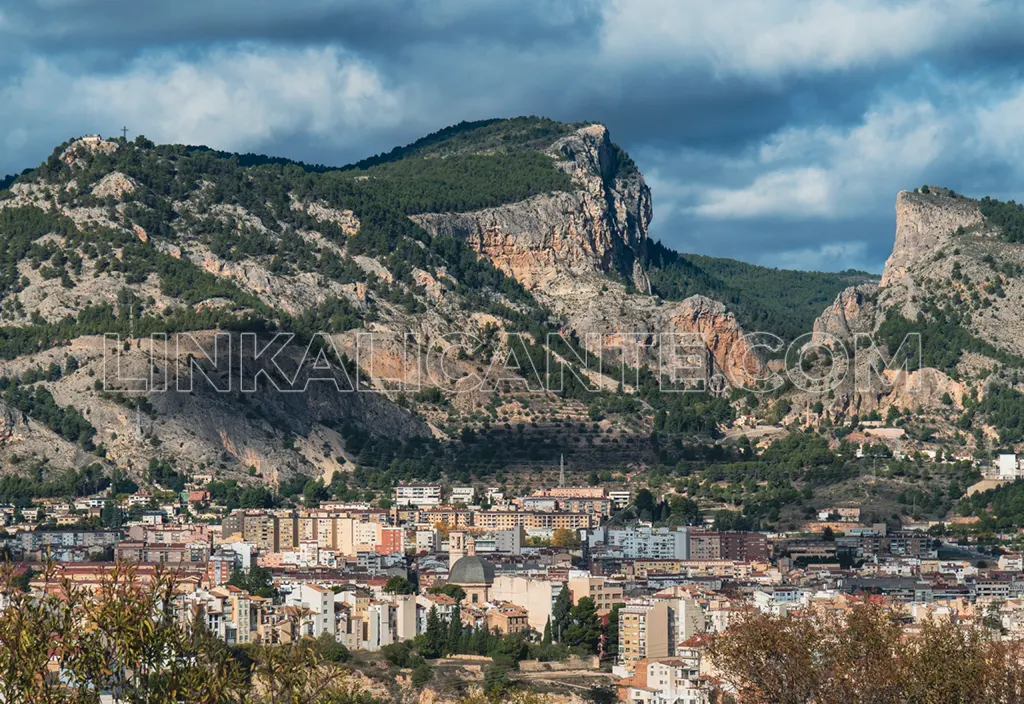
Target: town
[[615, 598]]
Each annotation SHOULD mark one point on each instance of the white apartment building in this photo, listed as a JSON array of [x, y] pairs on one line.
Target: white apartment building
[[419, 495], [463, 495], [675, 681], [642, 541], [536, 596], [320, 603], [1008, 467], [619, 498]]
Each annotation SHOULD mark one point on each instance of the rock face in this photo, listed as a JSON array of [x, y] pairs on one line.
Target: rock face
[[601, 226], [925, 223], [946, 256], [9, 419], [852, 312], [79, 151], [934, 231], [573, 251], [114, 185]]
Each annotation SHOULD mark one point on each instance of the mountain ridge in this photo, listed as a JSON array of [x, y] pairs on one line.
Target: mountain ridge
[[133, 237]]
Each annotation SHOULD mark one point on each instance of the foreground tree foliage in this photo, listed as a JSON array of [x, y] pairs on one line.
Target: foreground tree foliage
[[71, 644], [129, 639], [865, 657]]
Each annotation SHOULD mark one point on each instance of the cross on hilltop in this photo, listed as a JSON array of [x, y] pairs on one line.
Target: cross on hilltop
[[124, 131]]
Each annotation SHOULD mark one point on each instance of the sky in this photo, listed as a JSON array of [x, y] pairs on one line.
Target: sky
[[773, 131]]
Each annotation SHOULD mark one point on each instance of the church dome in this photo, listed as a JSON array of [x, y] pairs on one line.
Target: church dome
[[471, 571]]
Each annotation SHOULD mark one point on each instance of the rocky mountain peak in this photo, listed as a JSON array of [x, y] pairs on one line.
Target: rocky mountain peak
[[599, 227], [926, 221]]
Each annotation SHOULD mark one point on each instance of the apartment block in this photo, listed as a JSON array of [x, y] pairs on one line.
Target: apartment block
[[602, 590], [646, 632], [536, 596], [418, 495]]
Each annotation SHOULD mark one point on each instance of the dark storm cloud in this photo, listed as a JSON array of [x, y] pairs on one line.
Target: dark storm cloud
[[776, 131], [384, 26]]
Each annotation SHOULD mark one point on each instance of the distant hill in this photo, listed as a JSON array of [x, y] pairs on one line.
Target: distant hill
[[781, 301]]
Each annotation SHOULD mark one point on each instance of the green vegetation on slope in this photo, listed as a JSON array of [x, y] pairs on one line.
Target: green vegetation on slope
[[1001, 508], [1003, 408], [461, 182], [780, 301], [481, 136], [1008, 216], [944, 339]]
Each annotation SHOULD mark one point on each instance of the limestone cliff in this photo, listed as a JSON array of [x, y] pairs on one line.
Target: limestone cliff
[[600, 226], [581, 253], [129, 237], [852, 312], [948, 260]]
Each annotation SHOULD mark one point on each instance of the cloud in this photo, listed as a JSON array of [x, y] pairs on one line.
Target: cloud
[[826, 172], [801, 192], [834, 256], [772, 38], [233, 98]]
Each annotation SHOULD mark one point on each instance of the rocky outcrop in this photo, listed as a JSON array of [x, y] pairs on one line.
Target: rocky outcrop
[[114, 185], [946, 255], [9, 419], [852, 312], [600, 226], [80, 151], [721, 334], [925, 223], [573, 249], [345, 219]]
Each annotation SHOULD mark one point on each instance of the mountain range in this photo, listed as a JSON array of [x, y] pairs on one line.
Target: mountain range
[[490, 290]]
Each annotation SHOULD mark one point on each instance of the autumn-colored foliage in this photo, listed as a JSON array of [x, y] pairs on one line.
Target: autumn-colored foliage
[[865, 656]]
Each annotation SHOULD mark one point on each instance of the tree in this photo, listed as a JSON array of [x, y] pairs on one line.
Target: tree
[[454, 630], [828, 535], [397, 584], [864, 656], [398, 654], [258, 581], [560, 612], [611, 633], [496, 679], [331, 650], [103, 646], [511, 648], [436, 635], [453, 590], [644, 501], [313, 493], [565, 538], [546, 639], [585, 627], [421, 674], [110, 515], [481, 642]]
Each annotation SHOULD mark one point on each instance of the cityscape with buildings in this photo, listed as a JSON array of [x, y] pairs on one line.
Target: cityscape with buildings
[[368, 577], [522, 352]]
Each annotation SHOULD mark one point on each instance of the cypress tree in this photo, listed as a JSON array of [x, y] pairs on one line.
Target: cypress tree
[[560, 613], [454, 630], [436, 634]]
